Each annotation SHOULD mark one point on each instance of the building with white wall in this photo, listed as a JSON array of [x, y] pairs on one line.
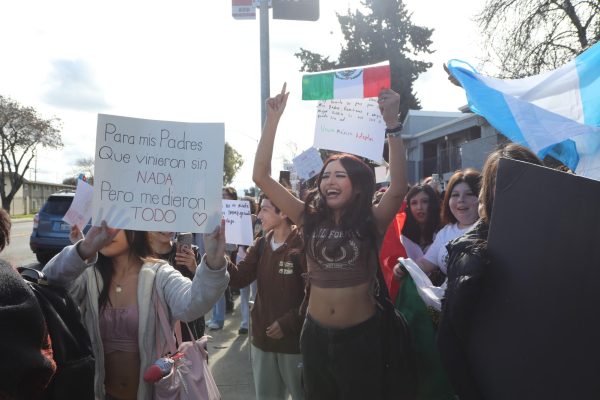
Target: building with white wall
[[32, 195], [443, 142]]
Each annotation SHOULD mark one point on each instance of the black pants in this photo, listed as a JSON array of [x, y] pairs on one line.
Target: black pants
[[343, 364]]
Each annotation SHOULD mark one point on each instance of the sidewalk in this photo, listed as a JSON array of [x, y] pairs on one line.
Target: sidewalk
[[229, 358]]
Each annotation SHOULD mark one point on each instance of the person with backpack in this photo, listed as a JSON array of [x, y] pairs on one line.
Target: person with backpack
[[275, 261], [117, 287], [27, 365], [348, 332]]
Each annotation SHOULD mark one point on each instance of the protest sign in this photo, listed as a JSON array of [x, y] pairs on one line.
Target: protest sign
[[158, 175], [308, 164], [533, 329], [80, 212], [238, 222], [381, 174], [350, 126]]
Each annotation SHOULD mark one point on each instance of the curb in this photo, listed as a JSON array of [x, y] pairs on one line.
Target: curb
[[18, 220]]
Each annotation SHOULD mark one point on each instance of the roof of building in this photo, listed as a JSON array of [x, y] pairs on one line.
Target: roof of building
[[417, 121], [25, 180]]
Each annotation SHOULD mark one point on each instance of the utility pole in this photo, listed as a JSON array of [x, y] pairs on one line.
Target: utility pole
[[299, 10], [265, 86]]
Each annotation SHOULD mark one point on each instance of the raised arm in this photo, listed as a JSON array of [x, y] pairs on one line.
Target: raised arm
[[384, 212], [261, 175]]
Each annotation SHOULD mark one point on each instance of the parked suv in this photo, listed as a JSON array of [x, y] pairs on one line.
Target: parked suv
[[50, 233]]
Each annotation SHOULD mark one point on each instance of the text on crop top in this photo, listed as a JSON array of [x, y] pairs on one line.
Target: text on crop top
[[119, 329], [337, 259]]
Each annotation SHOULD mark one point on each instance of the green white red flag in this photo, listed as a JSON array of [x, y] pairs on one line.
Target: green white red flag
[[348, 83]]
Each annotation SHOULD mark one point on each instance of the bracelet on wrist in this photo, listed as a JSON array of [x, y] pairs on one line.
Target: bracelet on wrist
[[394, 132]]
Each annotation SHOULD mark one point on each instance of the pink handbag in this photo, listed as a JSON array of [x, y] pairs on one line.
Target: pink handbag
[[190, 378]]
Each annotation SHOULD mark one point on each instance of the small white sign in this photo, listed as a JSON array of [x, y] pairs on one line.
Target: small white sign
[[381, 173], [308, 164], [80, 212], [351, 126], [158, 175], [238, 222]]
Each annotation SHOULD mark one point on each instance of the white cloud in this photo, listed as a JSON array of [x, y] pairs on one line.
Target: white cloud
[[71, 84]]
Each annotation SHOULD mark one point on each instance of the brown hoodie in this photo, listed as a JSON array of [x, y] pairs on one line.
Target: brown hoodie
[[280, 290]]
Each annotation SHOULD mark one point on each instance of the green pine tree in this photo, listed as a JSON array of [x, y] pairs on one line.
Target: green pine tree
[[384, 31]]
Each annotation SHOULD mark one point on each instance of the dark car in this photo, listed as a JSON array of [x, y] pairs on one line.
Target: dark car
[[50, 233]]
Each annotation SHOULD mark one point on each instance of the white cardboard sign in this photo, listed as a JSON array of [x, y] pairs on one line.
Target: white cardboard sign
[[308, 163], [381, 174], [238, 222], [80, 212], [351, 126], [158, 175]]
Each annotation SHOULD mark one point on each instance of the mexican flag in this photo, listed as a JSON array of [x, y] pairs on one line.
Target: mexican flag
[[348, 83]]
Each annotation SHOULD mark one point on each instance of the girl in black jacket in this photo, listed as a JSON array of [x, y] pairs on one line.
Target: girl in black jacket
[[467, 262]]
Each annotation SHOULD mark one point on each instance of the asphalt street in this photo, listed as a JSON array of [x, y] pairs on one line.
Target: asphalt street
[[18, 252]]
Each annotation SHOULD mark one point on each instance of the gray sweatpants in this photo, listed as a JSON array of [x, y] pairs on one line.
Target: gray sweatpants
[[276, 375]]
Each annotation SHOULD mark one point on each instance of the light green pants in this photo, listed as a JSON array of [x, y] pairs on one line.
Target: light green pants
[[276, 375]]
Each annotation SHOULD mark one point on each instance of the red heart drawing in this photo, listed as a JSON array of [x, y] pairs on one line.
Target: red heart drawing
[[199, 218]]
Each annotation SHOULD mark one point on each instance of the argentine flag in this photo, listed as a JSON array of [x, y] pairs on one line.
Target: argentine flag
[[555, 113]]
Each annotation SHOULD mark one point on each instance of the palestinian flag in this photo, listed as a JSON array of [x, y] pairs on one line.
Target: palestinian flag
[[355, 83]]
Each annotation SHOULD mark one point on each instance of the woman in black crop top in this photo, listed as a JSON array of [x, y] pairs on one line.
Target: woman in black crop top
[[341, 338]]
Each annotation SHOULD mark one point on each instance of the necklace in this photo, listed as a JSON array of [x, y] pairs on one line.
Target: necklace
[[119, 286], [126, 277]]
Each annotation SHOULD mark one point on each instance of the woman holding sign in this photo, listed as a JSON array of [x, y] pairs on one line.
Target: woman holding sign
[[341, 340], [110, 276]]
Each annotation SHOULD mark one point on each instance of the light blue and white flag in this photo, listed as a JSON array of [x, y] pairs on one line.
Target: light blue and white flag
[[555, 113]]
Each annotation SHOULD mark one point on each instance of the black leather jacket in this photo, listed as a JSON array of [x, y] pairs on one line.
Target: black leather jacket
[[467, 262]]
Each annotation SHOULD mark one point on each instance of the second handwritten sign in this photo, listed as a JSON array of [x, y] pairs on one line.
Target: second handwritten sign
[[351, 126]]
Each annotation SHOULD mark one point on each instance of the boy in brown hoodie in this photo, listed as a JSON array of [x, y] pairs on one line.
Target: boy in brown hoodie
[[277, 263]]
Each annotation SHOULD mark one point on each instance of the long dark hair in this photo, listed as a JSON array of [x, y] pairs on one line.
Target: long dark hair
[[411, 228], [512, 151], [357, 218], [139, 249]]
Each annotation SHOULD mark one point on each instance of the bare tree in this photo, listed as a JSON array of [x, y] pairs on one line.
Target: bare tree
[[22, 130], [85, 165], [526, 37]]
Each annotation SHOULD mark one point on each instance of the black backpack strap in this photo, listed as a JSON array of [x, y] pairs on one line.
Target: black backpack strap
[[32, 275]]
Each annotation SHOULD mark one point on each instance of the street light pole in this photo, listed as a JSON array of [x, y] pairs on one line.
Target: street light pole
[[264, 59]]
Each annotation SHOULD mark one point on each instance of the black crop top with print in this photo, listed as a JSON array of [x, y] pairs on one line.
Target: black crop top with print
[[339, 258]]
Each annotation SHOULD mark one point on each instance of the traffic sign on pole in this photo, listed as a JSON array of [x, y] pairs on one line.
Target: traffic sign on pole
[[300, 10], [243, 9]]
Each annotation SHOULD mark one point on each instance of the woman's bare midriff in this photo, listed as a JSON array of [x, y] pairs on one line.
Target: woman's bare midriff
[[122, 374], [341, 307]]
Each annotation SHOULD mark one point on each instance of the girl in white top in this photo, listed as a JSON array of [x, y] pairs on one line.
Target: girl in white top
[[459, 214], [422, 220]]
